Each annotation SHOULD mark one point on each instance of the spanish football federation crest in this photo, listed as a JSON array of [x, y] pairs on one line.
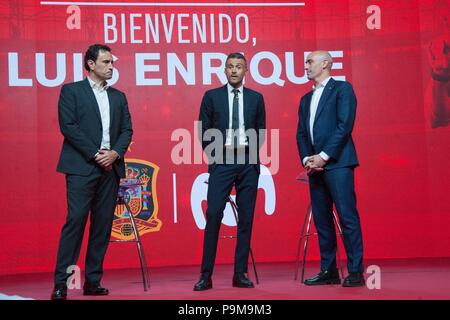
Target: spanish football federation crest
[[141, 199]]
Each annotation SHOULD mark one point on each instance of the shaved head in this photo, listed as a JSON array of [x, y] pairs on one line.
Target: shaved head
[[318, 65], [323, 56]]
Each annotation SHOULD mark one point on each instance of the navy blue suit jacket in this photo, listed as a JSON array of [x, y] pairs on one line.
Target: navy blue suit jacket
[[80, 123], [333, 125], [214, 113]]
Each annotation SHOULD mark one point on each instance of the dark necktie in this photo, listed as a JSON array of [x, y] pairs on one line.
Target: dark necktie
[[235, 121], [235, 118]]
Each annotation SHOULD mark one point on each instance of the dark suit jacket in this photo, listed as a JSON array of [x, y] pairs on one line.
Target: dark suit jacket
[[214, 113], [80, 123], [333, 125]]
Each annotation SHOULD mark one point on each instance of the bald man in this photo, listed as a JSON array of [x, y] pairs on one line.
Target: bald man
[[326, 149]]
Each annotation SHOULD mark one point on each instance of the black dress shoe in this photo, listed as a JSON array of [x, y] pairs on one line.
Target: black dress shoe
[[94, 290], [241, 281], [203, 284], [354, 279], [323, 278], [59, 293]]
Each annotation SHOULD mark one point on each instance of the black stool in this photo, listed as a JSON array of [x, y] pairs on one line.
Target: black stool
[[126, 184]]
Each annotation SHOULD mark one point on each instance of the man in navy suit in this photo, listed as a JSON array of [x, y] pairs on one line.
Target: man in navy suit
[[233, 112], [96, 125], [325, 144]]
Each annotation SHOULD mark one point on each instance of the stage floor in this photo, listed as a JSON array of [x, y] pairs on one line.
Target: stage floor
[[400, 279]]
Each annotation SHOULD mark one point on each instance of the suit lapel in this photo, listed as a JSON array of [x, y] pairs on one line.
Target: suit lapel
[[225, 106], [112, 106], [247, 105], [90, 94], [325, 95], [308, 110]]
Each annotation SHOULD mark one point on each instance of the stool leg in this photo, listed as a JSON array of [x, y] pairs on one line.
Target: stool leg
[[140, 249], [302, 234], [305, 247], [336, 222], [234, 209], [254, 266]]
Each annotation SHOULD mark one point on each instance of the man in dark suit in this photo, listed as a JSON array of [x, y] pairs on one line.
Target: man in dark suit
[[96, 125], [238, 115], [325, 145]]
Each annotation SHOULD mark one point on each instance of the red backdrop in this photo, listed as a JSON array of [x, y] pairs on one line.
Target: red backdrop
[[402, 183]]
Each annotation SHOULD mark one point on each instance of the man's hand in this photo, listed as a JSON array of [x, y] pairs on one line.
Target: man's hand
[[105, 158], [316, 161], [314, 164]]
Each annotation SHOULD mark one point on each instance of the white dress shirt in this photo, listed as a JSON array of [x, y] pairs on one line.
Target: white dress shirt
[[242, 136], [101, 95], [317, 94]]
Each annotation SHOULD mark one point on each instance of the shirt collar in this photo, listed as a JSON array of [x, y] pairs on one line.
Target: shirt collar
[[94, 85], [322, 84], [230, 88]]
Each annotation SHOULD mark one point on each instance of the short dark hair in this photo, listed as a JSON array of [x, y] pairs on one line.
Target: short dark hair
[[236, 55], [92, 53]]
